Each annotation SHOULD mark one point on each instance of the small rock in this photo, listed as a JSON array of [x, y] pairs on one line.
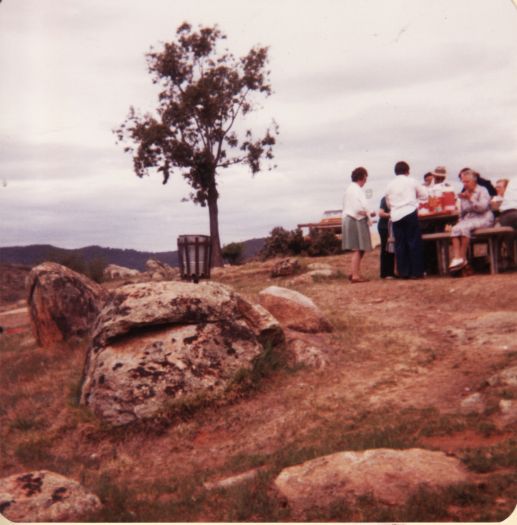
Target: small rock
[[160, 271], [285, 268], [508, 408], [307, 349], [45, 496], [505, 377], [321, 266], [474, 403], [232, 480], [389, 476], [113, 271], [294, 310]]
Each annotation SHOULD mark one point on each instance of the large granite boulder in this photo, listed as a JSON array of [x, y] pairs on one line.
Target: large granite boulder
[[63, 304], [157, 345], [294, 310], [389, 476], [45, 496]]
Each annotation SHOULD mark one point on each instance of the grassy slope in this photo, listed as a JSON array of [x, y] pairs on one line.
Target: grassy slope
[[405, 354]]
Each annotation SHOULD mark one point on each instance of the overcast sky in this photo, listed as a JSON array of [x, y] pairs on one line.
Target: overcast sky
[[356, 82]]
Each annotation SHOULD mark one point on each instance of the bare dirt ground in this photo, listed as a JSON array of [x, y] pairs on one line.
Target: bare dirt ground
[[407, 358]]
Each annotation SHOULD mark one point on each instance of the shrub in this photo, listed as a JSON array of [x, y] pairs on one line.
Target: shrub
[[297, 243], [276, 244], [233, 252], [93, 269], [283, 242], [323, 242]]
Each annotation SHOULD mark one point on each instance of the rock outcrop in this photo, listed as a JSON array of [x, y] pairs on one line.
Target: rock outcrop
[[160, 271], [63, 304], [305, 349], [113, 271], [389, 476], [294, 310], [45, 496], [285, 268], [158, 345]]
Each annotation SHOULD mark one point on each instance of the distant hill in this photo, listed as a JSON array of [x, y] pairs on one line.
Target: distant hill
[[37, 253]]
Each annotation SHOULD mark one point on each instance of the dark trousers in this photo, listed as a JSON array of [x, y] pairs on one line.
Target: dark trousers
[[408, 246], [508, 218], [387, 259]]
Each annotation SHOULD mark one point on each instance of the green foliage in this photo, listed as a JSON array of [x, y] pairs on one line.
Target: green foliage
[[93, 269], [283, 242], [323, 242], [204, 93], [276, 244], [71, 260], [233, 252]]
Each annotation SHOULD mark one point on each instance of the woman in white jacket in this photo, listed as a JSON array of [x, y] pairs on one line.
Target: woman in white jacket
[[356, 223]]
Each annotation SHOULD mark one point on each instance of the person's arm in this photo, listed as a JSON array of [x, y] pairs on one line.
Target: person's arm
[[363, 202], [383, 214], [421, 192], [480, 201], [496, 202]]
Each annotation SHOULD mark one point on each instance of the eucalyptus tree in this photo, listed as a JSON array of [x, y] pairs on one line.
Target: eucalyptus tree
[[198, 128]]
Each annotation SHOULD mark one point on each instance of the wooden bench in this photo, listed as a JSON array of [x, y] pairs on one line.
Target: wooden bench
[[493, 238], [442, 241]]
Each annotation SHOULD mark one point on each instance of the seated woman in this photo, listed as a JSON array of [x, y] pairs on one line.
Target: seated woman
[[475, 213]]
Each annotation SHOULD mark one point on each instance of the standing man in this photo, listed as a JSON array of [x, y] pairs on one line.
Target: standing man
[[387, 268], [403, 195]]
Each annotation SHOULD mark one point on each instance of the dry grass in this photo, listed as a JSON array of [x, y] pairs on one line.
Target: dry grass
[[389, 385]]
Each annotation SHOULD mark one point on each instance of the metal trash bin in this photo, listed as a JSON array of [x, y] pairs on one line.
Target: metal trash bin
[[194, 257]]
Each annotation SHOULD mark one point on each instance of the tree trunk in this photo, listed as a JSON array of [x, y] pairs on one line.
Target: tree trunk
[[213, 212]]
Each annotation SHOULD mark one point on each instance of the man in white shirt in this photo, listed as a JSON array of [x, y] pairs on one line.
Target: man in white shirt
[[508, 206], [403, 195]]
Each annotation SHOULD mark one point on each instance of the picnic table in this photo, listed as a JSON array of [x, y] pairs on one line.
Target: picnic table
[[434, 234]]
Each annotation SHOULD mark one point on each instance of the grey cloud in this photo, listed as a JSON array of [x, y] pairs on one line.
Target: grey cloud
[[25, 161], [388, 71]]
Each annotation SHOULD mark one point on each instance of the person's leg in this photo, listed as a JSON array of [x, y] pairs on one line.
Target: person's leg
[[459, 247], [401, 251], [456, 247], [356, 262], [414, 241], [384, 262], [464, 246]]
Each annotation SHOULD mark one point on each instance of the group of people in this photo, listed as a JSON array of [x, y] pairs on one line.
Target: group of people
[[402, 253]]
